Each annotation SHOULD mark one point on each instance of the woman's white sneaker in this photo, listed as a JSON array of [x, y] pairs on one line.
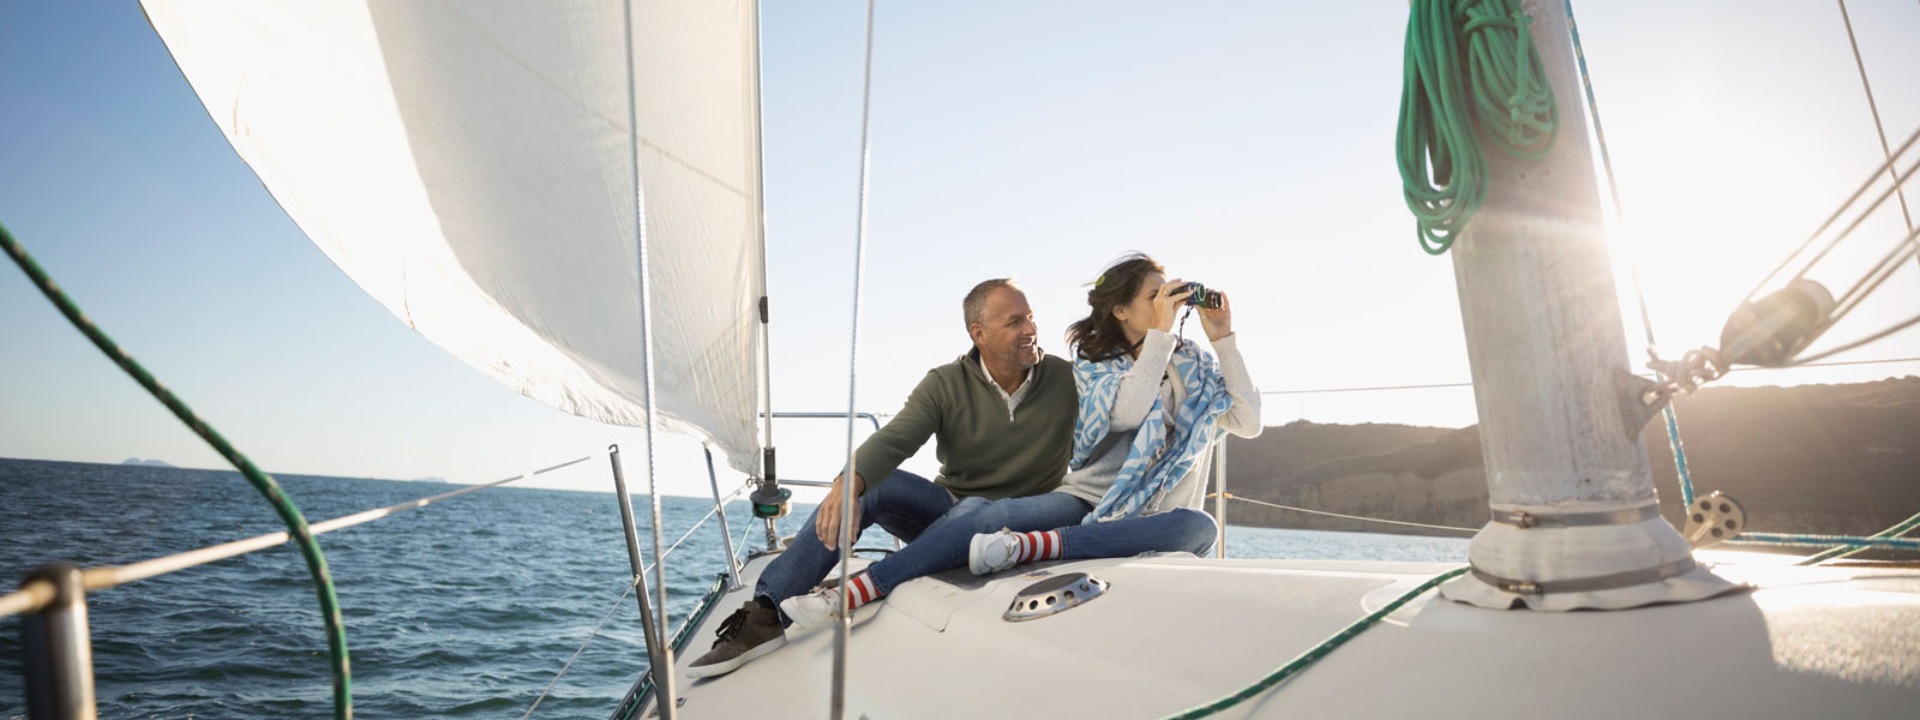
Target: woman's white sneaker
[[991, 553]]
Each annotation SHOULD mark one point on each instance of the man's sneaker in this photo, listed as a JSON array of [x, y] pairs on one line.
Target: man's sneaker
[[750, 632], [991, 553], [815, 609]]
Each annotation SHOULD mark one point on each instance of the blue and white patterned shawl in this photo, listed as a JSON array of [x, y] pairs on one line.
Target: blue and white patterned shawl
[[1157, 459]]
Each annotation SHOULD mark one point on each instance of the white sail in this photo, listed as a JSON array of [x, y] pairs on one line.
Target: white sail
[[469, 165]]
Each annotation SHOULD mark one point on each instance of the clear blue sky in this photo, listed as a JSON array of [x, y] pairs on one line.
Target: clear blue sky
[[1248, 145]]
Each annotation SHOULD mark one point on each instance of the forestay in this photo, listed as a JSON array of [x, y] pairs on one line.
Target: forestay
[[469, 165]]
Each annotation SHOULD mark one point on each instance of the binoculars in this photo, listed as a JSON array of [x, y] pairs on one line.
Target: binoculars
[[1202, 296]]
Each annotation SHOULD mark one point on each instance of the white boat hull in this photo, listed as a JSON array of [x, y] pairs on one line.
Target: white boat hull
[[1175, 632]]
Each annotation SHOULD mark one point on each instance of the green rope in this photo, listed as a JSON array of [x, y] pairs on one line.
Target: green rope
[[283, 505], [1442, 172], [1840, 551], [1314, 654]]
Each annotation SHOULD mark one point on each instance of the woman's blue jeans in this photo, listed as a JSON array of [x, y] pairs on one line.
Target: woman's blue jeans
[[943, 545], [1179, 530]]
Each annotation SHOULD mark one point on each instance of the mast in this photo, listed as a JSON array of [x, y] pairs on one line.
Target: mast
[[1576, 522]]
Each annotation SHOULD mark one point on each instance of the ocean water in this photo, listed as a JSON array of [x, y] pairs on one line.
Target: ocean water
[[466, 608]]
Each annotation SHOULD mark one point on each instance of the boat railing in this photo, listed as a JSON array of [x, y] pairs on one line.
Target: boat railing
[[52, 599], [660, 647], [871, 418]]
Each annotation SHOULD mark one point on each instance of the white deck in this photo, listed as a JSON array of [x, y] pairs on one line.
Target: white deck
[[1175, 632]]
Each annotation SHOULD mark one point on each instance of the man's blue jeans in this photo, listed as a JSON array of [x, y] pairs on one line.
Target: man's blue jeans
[[943, 546], [905, 505]]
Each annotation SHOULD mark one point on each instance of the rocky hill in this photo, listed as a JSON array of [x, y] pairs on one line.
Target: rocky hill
[[1813, 458]]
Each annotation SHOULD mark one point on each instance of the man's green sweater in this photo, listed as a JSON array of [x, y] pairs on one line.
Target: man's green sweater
[[981, 450]]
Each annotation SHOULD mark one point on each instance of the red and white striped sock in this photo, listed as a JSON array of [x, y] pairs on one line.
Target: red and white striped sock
[[1040, 546], [861, 590]]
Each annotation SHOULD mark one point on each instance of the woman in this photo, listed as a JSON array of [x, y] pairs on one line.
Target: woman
[[1151, 407]]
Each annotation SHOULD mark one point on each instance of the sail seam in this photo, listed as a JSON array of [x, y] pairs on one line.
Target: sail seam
[[535, 74], [668, 154]]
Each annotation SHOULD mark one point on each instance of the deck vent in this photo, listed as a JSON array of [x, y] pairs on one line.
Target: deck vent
[[1053, 595]]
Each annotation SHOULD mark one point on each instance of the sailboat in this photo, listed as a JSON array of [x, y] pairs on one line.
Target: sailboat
[[457, 205]]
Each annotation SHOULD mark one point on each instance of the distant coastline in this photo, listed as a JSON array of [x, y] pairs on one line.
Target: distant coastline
[[148, 463], [1811, 458]]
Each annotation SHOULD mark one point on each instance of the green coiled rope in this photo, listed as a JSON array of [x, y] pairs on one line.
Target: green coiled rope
[[289, 512], [1456, 50]]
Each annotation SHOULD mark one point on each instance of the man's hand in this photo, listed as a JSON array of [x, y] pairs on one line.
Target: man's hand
[[827, 526]]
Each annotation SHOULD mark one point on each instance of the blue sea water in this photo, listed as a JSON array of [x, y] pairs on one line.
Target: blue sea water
[[465, 608]]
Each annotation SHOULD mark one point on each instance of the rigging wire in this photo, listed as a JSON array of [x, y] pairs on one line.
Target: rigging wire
[[105, 577], [631, 584], [646, 345], [1871, 281], [1902, 325], [1894, 258], [1231, 496], [1834, 217], [843, 629], [1879, 128], [746, 530], [283, 505], [702, 521], [1874, 277], [1367, 389], [617, 602]]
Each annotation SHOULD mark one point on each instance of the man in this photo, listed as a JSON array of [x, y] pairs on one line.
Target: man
[[1002, 417]]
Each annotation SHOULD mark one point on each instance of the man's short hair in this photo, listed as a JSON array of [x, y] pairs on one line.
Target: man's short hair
[[976, 303]]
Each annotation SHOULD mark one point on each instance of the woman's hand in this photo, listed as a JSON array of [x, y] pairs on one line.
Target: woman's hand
[[1167, 302], [1218, 322]]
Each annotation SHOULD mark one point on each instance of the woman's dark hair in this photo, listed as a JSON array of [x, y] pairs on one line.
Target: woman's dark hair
[[1098, 336]]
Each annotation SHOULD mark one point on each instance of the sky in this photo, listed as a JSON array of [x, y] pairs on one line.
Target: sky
[[1248, 145]]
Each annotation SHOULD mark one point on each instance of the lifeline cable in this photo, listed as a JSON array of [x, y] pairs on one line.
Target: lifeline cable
[[1231, 496], [595, 632]]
